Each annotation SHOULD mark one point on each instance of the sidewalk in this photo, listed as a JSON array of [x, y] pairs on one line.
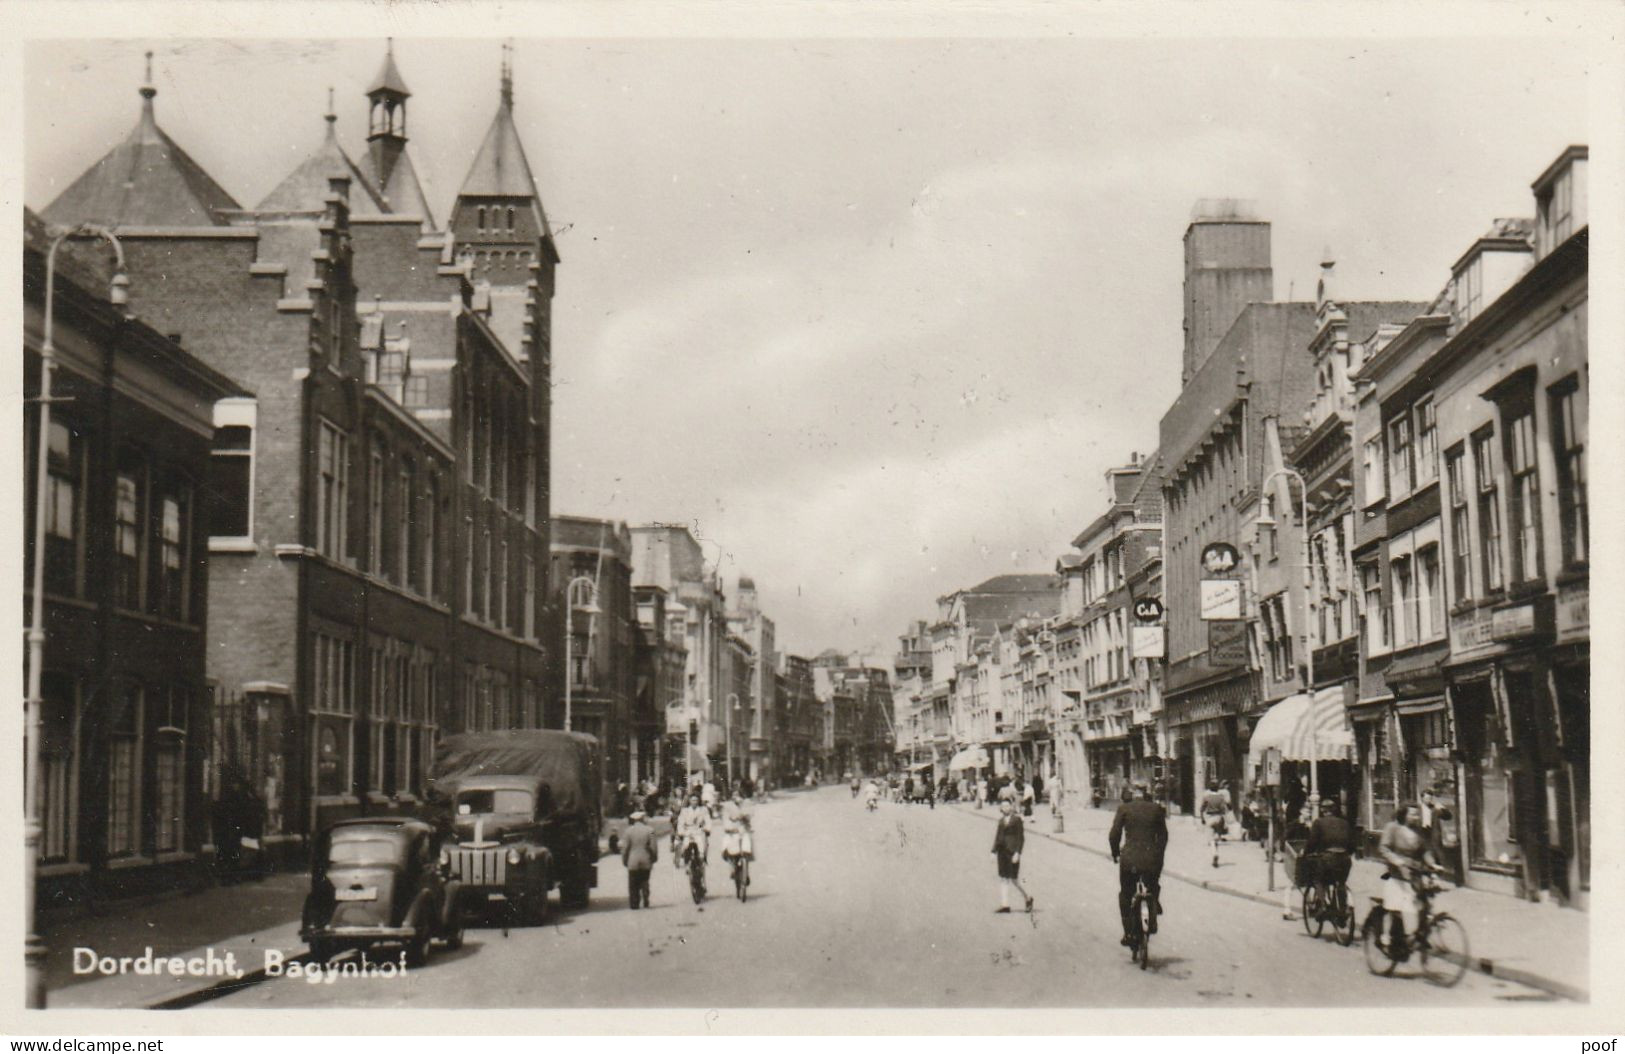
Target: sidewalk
[[1540, 945], [242, 920]]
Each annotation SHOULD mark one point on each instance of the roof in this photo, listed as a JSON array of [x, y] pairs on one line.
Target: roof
[[501, 170], [1020, 583], [399, 186], [389, 77], [145, 181], [305, 188]]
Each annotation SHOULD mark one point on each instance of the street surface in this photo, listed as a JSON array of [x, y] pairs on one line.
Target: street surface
[[893, 908]]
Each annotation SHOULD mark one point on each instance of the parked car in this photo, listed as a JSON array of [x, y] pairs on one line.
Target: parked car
[[377, 880]]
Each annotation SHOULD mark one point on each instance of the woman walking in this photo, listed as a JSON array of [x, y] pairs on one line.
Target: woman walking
[[1008, 840]]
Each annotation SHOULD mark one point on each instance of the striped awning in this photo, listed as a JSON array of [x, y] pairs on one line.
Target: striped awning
[[1304, 727]]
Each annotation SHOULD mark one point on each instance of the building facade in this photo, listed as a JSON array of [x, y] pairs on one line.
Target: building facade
[[591, 576]]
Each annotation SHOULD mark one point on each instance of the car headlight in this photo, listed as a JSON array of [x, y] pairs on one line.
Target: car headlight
[[514, 858]]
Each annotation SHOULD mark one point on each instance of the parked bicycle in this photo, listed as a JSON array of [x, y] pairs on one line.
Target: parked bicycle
[[1439, 943]]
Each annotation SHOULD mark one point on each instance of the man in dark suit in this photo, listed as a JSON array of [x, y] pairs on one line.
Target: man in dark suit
[[1138, 837], [639, 851]]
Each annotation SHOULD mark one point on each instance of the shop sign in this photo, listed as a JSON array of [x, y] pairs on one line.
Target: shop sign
[[1272, 767], [1227, 643], [1145, 642], [1221, 599], [1470, 630], [1574, 609], [1148, 609], [1512, 623], [1220, 558], [676, 720]]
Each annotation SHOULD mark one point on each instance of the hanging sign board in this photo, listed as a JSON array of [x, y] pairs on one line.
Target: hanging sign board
[[1272, 767], [1221, 599], [1145, 642], [1220, 558], [1227, 643], [1148, 609]]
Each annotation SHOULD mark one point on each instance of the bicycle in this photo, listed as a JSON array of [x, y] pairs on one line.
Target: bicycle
[[1440, 940], [1144, 910], [741, 875], [696, 870], [1328, 902]]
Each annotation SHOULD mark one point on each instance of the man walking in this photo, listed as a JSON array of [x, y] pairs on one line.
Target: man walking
[[1138, 837], [639, 851]]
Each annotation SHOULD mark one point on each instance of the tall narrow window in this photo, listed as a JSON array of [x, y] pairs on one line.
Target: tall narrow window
[[1405, 628], [1489, 508], [1523, 495], [59, 767], [375, 512], [468, 565], [1568, 450], [174, 522], [332, 490], [1429, 594], [1461, 534], [510, 218], [500, 586], [230, 501], [406, 526], [124, 772], [1376, 613], [530, 599], [169, 775], [430, 510], [1427, 443], [483, 578], [64, 484], [480, 214], [128, 516], [1399, 455]]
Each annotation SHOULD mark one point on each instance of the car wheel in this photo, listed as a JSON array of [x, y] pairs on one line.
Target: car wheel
[[417, 950], [533, 909]]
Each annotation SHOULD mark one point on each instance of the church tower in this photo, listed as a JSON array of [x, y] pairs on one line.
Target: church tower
[[389, 165]]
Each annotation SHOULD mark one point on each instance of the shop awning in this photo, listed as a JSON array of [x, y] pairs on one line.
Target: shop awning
[[1302, 727], [970, 758]]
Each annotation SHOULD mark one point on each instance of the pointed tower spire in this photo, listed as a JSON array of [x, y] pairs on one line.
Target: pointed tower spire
[[306, 188], [331, 116], [507, 73]]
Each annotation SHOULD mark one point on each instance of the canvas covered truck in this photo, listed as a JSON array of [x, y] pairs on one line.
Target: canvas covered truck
[[522, 814]]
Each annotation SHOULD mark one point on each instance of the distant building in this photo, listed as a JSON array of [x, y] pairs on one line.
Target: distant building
[[592, 569]]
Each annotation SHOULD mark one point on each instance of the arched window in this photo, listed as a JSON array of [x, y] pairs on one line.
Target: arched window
[[510, 218], [482, 217]]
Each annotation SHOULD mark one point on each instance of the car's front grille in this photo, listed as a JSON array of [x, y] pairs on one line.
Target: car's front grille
[[479, 867]]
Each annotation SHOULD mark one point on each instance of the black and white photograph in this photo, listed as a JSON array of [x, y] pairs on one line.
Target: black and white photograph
[[526, 509]]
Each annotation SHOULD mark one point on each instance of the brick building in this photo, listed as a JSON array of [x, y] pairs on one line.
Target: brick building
[[125, 718], [379, 555]]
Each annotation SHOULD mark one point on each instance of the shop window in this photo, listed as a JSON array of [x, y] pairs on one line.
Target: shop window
[[1491, 831], [333, 717]]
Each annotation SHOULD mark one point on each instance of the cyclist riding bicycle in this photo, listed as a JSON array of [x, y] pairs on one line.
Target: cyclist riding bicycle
[[1138, 837], [737, 841], [694, 828], [1329, 853], [1409, 858]]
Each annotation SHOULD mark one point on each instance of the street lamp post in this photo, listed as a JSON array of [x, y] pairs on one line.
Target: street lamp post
[[590, 608], [1310, 633], [118, 295], [730, 705]]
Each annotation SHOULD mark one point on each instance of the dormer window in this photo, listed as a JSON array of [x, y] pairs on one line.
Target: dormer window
[[1469, 290], [1560, 199]]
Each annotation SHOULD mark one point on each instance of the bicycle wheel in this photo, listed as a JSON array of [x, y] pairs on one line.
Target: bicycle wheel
[[1377, 952], [1314, 907], [740, 877], [1444, 952], [1142, 951], [1342, 913], [696, 881]]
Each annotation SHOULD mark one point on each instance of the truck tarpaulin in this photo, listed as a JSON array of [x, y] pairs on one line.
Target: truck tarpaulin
[[566, 761]]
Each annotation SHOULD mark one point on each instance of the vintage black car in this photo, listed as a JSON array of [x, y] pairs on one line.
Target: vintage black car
[[377, 880]]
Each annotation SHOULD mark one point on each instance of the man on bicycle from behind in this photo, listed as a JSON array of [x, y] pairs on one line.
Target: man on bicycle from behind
[[1138, 837], [737, 841], [1329, 852], [1409, 858]]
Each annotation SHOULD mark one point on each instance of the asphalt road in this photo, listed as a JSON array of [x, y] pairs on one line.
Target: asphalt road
[[893, 908]]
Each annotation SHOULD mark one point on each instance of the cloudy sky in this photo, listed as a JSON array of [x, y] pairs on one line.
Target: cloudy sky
[[876, 314]]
